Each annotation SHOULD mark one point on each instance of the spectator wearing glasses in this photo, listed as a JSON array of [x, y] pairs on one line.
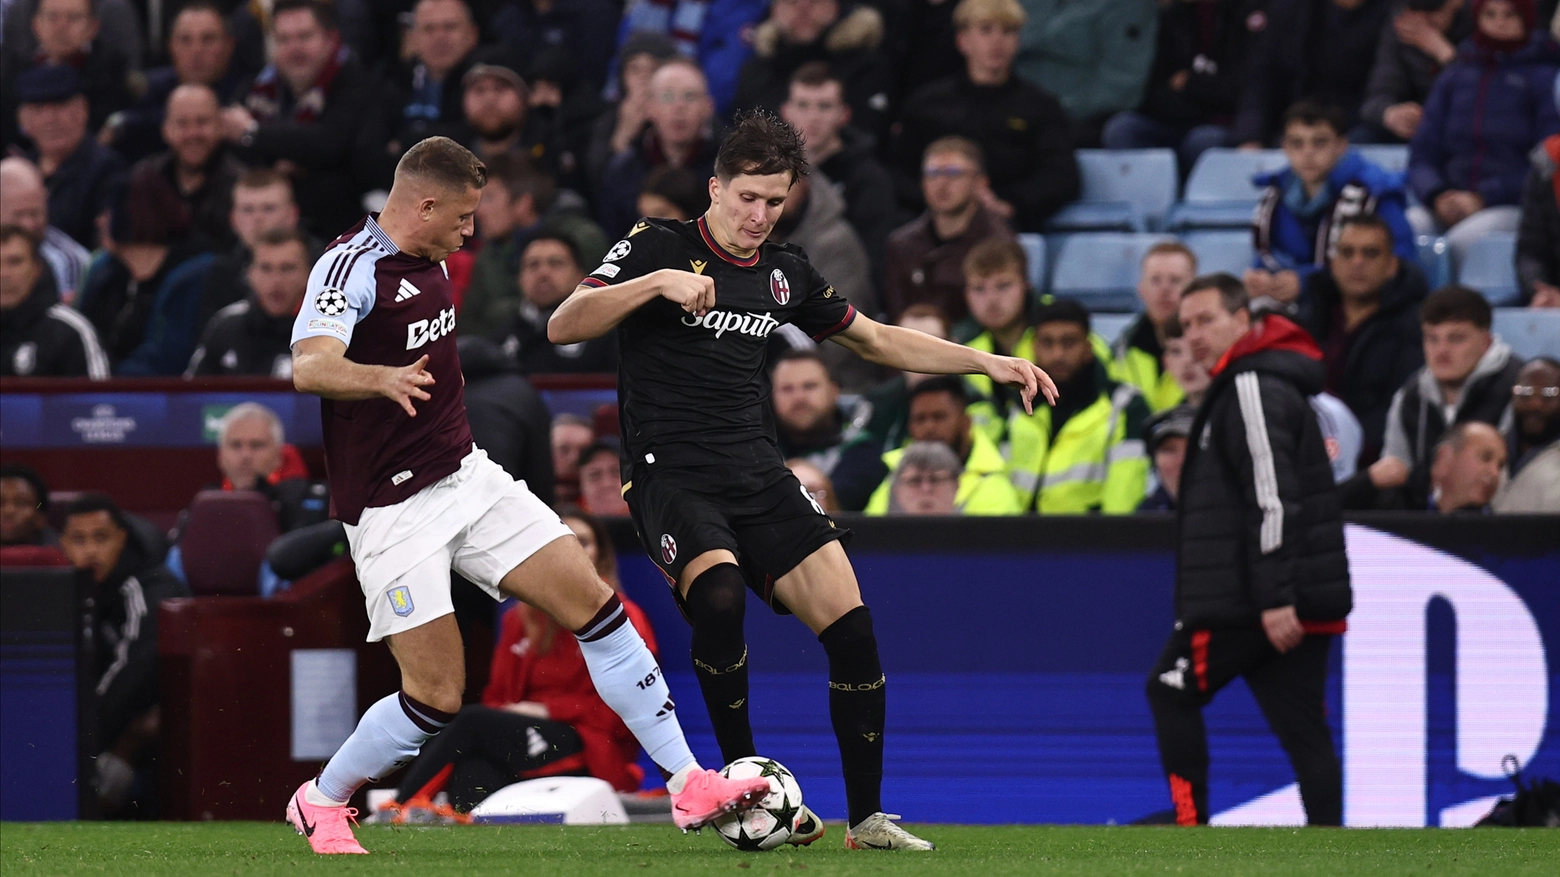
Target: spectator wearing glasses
[[927, 481], [1021, 129], [925, 258], [1534, 451], [1363, 312], [938, 415]]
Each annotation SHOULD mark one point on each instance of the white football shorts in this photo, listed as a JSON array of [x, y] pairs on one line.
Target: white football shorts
[[478, 521]]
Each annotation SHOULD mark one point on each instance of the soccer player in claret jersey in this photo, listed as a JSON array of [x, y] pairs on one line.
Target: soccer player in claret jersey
[[716, 508], [376, 339]]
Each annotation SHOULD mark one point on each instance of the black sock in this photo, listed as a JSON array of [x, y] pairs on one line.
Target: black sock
[[857, 706], [715, 605]]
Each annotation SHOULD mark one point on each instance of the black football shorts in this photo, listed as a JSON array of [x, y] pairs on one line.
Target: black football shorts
[[762, 514]]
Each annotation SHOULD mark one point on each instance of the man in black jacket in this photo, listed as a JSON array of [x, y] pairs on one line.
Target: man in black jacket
[[315, 114], [254, 336], [1022, 130], [1262, 581], [811, 424], [130, 581], [39, 337], [549, 270], [1363, 312]]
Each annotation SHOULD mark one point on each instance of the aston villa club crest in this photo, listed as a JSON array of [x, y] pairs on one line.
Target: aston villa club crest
[[779, 286], [668, 548]]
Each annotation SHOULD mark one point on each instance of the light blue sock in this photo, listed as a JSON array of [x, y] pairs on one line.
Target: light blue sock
[[628, 679], [387, 737]]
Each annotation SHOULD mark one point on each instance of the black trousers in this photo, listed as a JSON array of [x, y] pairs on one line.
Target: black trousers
[[488, 749], [1291, 690]]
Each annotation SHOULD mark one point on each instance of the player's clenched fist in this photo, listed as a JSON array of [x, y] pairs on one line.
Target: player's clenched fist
[[405, 384], [694, 293]]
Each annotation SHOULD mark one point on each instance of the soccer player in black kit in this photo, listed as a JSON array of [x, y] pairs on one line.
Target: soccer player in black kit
[[716, 508]]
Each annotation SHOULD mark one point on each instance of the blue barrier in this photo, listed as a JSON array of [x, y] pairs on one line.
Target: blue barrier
[[1017, 653]]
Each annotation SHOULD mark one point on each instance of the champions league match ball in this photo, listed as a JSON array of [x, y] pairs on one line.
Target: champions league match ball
[[768, 825]]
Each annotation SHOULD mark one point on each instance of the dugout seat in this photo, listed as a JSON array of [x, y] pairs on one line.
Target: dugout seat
[[1122, 190], [224, 541], [1035, 254], [1387, 156], [1530, 331], [1228, 251]]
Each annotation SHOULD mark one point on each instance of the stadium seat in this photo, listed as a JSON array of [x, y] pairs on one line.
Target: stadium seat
[[1034, 253], [1100, 269], [1227, 251], [1385, 155], [1123, 190], [1435, 259], [1219, 193], [1110, 326], [224, 541], [1530, 331], [1490, 267]]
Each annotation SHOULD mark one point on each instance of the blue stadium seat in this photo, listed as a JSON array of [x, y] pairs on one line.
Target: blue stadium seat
[[1034, 253], [1435, 259], [1490, 267], [1100, 269], [1110, 326], [1219, 193], [1228, 251], [1386, 156], [1123, 190], [1530, 331]]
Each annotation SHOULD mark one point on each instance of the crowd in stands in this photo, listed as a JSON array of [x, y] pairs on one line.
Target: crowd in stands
[[168, 184]]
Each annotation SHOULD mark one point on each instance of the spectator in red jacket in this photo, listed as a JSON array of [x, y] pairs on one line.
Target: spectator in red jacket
[[540, 715]]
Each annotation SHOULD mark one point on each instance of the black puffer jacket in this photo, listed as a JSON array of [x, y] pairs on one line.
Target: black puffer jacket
[[1260, 525]]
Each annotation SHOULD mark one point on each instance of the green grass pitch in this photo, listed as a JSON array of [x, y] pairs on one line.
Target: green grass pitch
[[189, 849]]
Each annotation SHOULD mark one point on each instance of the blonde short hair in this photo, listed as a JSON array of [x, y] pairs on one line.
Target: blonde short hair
[[1004, 12]]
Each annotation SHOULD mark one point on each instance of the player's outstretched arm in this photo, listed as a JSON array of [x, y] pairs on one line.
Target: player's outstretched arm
[[909, 350], [591, 312], [321, 367]]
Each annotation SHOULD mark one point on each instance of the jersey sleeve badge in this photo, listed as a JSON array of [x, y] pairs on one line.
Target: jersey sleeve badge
[[331, 302]]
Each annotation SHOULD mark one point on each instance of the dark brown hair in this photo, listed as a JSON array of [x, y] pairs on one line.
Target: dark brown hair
[[1164, 248], [816, 73], [1456, 303], [1309, 112], [1232, 293], [995, 255], [760, 144]]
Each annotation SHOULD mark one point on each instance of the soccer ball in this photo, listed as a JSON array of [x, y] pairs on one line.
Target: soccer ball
[[769, 824]]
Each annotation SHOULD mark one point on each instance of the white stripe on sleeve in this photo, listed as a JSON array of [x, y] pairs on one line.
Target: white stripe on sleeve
[[1264, 478]]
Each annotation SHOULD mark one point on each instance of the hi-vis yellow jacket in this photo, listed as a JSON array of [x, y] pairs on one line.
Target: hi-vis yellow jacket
[[1097, 461], [984, 488]]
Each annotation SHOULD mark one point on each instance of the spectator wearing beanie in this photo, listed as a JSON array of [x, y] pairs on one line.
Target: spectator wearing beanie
[[39, 337], [81, 175], [1418, 45], [1021, 129], [1485, 114], [1316, 50], [1199, 68]]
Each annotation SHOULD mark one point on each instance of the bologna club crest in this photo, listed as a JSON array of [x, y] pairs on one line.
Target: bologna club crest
[[668, 548], [779, 286]]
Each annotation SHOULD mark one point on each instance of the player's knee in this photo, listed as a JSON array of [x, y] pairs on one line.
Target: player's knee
[[717, 598], [444, 694], [851, 645]]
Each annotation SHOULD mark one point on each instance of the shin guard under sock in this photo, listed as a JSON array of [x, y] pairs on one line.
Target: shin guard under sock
[[715, 605], [857, 707]]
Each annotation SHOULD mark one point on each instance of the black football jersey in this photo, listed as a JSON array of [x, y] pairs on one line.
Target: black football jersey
[[694, 387]]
